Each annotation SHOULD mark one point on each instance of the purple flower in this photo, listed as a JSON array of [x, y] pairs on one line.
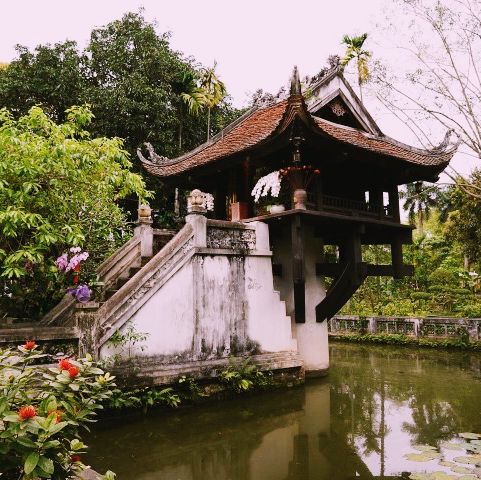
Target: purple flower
[[75, 260], [82, 293], [62, 262]]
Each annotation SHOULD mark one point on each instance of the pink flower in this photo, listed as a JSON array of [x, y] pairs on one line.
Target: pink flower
[[62, 262]]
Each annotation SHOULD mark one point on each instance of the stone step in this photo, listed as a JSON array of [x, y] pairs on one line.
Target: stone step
[[109, 293]]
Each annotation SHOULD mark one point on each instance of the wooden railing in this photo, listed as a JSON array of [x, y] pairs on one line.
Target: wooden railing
[[347, 205]]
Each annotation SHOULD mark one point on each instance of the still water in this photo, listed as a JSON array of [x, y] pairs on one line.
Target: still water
[[357, 423]]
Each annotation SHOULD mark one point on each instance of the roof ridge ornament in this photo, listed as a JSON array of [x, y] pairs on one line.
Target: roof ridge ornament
[[153, 157], [447, 141], [295, 82]]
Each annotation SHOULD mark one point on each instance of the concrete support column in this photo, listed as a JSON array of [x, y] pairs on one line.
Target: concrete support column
[[312, 336]]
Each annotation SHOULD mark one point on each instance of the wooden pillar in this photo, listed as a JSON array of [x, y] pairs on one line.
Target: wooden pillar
[[242, 207], [298, 270], [394, 203], [376, 197], [220, 204]]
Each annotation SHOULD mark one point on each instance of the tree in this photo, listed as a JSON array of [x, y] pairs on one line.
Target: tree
[[435, 74], [132, 79], [418, 202], [215, 91], [51, 76], [58, 189], [464, 222], [355, 52]]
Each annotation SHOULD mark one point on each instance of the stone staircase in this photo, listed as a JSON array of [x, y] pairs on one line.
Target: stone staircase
[[113, 273]]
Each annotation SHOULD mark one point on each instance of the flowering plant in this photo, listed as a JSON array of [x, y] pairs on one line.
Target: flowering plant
[[64, 264], [268, 183], [208, 202], [43, 410], [81, 293], [299, 176]]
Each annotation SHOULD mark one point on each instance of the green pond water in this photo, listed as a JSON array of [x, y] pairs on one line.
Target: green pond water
[[358, 422]]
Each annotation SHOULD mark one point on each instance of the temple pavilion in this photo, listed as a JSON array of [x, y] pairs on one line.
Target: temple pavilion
[[342, 176]]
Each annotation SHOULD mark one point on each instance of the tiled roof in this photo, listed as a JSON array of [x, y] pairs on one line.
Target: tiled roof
[[385, 145], [251, 131], [259, 125]]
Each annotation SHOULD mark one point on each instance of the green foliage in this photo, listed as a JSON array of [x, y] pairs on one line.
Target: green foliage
[[463, 220], [400, 339], [58, 188], [354, 51], [125, 341], [440, 284], [237, 378], [133, 81], [42, 412], [244, 376], [143, 398]]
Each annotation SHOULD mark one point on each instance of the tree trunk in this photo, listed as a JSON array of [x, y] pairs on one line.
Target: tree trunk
[[208, 124]]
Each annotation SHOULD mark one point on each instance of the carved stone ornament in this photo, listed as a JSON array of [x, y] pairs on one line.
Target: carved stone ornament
[[196, 202], [338, 108], [231, 238]]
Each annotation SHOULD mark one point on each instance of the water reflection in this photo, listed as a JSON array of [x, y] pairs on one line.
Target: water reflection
[[358, 423]]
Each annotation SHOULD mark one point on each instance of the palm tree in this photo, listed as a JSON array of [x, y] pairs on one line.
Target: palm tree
[[418, 202], [355, 51], [208, 92], [214, 89]]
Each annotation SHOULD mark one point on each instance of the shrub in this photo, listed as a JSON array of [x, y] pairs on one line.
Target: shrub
[[42, 411]]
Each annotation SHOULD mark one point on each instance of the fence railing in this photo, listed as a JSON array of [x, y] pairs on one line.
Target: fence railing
[[426, 327]]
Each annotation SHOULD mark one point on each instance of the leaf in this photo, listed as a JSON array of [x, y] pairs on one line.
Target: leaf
[[26, 442], [451, 446], [459, 469], [46, 464], [470, 436], [31, 463], [469, 459], [422, 457], [424, 448]]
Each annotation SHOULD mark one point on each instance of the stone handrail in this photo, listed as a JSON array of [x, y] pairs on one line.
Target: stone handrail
[[125, 257], [418, 327], [120, 260], [134, 293]]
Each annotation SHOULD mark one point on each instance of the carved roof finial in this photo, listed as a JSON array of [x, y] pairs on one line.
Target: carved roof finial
[[295, 82]]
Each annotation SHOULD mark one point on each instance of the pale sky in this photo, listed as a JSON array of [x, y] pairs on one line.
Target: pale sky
[[255, 43]]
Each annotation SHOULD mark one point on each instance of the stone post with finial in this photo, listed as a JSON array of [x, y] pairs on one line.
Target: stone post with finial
[[145, 231], [196, 216]]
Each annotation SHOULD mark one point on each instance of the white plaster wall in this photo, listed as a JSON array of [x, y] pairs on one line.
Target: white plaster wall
[[220, 303], [216, 305], [312, 337], [167, 318], [268, 323]]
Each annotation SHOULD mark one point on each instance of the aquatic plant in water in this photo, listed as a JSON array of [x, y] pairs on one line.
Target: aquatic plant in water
[[449, 456]]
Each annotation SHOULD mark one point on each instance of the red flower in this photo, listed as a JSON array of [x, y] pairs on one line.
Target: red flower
[[26, 412], [30, 345], [75, 458], [58, 415], [64, 364], [73, 371]]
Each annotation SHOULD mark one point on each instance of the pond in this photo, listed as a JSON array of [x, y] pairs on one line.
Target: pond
[[359, 422]]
